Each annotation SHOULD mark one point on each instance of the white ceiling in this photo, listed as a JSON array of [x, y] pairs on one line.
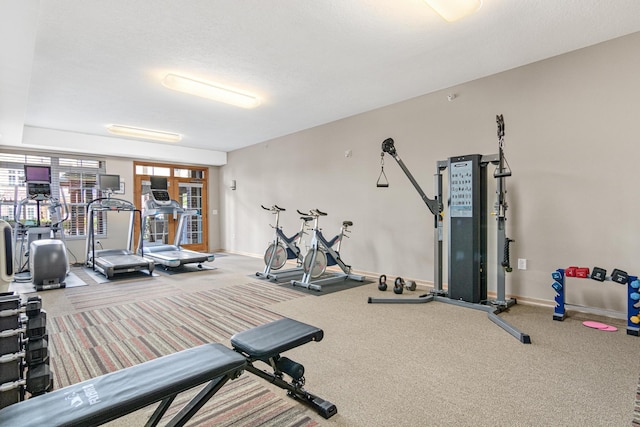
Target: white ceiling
[[78, 65]]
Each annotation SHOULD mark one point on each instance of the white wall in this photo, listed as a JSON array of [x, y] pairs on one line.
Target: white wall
[[572, 130], [215, 243]]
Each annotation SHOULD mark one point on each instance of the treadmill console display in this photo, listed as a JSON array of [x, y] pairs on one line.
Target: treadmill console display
[[159, 193], [161, 197]]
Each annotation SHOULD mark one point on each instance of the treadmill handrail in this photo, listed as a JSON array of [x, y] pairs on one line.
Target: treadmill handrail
[[121, 205], [152, 209]]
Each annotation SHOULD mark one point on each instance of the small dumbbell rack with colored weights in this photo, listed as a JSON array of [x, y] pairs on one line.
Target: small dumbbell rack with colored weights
[[599, 274]]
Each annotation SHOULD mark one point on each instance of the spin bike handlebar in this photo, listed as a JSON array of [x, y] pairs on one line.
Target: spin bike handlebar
[[318, 213], [274, 208]]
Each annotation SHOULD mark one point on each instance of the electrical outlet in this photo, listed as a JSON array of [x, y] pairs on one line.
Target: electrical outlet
[[522, 264]]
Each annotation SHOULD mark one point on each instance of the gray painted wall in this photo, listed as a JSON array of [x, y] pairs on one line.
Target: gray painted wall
[[572, 129]]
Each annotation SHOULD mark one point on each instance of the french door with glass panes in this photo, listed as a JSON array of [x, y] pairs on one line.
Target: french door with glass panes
[[187, 186]]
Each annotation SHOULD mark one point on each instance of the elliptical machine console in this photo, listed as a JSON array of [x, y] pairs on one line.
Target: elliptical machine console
[[38, 181]]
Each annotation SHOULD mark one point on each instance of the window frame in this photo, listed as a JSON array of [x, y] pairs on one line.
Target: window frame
[[13, 163]]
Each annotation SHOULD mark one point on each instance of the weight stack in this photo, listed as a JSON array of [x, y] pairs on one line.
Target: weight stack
[[467, 229], [11, 367]]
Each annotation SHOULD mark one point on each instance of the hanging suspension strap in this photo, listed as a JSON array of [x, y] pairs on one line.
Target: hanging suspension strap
[[382, 179]]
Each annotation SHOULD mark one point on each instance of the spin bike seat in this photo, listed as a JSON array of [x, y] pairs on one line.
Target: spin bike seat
[[347, 223], [306, 218]]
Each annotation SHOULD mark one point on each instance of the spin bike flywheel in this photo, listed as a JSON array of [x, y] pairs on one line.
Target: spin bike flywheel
[[279, 258], [320, 265]]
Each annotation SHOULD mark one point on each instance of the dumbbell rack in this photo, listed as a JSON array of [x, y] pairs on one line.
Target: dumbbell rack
[[24, 355], [633, 297]]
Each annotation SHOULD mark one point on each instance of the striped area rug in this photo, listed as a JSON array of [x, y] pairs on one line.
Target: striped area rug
[[109, 294], [119, 328]]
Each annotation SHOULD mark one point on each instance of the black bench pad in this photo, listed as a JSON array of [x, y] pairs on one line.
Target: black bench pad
[[110, 396], [271, 339]]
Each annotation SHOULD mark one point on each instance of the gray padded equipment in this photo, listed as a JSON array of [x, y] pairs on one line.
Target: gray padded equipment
[[102, 399], [265, 343], [111, 396], [48, 263], [271, 339]]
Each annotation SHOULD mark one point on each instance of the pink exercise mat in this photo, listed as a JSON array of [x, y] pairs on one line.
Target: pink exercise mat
[[600, 326]]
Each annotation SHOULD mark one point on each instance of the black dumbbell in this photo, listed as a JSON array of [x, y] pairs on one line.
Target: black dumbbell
[[599, 274], [619, 276], [39, 379], [37, 325], [10, 343], [33, 306], [36, 351], [10, 311], [13, 307]]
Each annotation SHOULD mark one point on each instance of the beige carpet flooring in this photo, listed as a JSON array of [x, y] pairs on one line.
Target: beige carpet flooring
[[429, 364]]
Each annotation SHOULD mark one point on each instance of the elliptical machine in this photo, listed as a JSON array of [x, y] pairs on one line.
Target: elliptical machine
[[40, 251], [277, 254]]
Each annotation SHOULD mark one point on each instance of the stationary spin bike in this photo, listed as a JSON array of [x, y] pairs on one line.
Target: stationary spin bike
[[322, 255], [283, 248]]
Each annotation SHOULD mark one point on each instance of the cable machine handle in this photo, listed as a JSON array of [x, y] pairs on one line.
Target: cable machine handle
[[382, 182]]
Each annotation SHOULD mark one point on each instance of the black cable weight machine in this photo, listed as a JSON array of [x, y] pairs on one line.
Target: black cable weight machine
[[467, 232]]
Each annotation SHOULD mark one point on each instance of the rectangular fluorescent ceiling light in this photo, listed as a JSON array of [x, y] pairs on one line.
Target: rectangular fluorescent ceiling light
[[210, 90], [452, 10], [133, 132]]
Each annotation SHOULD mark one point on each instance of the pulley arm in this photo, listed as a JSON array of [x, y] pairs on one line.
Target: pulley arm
[[434, 206]]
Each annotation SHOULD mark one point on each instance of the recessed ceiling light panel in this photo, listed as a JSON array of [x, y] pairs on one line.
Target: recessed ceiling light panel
[[210, 90], [452, 10], [134, 132]]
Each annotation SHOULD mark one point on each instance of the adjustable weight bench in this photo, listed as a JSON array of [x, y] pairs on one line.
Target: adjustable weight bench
[[265, 343], [111, 396]]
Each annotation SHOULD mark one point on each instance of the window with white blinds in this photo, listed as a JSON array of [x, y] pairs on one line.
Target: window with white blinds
[[73, 182]]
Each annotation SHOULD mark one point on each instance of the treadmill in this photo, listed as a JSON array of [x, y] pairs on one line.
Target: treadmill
[[113, 261], [168, 255]]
